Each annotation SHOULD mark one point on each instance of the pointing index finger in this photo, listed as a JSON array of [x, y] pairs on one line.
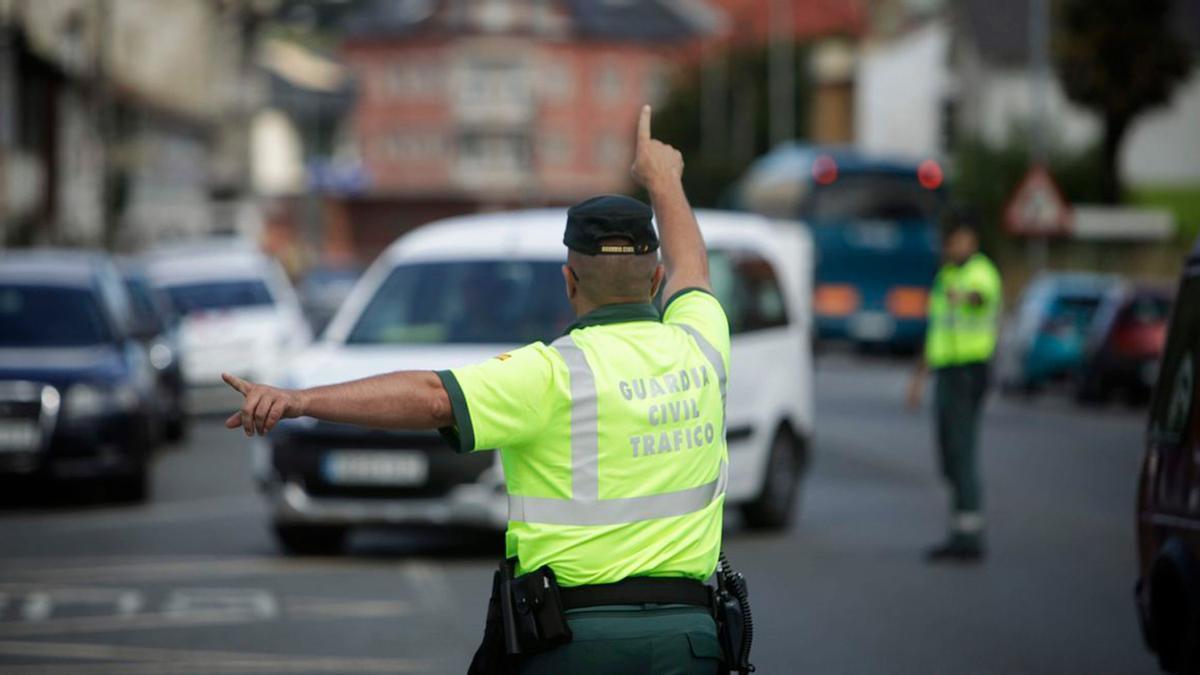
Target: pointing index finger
[[236, 382], [644, 125]]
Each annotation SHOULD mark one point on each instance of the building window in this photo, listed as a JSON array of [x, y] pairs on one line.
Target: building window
[[410, 146], [608, 83], [493, 153], [557, 81], [655, 84], [554, 149], [413, 80], [494, 82], [608, 150]]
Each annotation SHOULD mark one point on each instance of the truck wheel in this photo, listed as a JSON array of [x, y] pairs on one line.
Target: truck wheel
[[772, 509], [310, 539]]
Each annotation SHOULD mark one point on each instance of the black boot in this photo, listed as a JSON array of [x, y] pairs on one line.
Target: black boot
[[957, 548]]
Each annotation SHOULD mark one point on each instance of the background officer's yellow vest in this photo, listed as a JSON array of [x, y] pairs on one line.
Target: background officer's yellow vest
[[624, 470], [963, 333]]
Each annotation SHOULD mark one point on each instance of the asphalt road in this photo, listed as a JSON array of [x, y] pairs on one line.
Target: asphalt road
[[192, 583]]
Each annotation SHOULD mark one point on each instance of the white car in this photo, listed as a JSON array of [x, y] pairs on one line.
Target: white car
[[238, 313], [464, 289]]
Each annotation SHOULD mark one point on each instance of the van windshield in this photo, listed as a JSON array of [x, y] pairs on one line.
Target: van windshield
[[475, 301], [210, 295], [873, 196], [51, 316]]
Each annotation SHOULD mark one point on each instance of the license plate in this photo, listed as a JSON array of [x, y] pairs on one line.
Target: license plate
[[871, 326], [349, 467], [19, 436]]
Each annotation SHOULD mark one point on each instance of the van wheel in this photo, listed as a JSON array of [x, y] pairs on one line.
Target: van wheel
[[1175, 620], [310, 539], [772, 509]]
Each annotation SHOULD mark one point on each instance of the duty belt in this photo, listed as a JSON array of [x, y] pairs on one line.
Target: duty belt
[[639, 591]]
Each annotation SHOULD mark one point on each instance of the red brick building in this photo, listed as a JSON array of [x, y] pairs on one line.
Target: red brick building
[[467, 105]]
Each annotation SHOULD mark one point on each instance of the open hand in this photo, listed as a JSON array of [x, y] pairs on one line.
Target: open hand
[[654, 163], [263, 407]]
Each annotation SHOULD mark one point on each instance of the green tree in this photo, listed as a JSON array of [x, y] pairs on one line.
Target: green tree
[[1119, 58], [731, 90]]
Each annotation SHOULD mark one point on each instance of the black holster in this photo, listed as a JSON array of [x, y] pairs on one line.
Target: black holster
[[735, 625], [525, 616]]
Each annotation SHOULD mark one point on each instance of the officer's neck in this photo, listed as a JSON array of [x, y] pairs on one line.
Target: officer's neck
[[584, 305]]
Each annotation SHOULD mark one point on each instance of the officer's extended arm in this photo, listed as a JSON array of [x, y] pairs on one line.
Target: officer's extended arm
[[413, 399], [658, 167]]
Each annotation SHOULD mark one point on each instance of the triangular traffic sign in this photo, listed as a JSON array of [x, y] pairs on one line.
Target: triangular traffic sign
[[1037, 207]]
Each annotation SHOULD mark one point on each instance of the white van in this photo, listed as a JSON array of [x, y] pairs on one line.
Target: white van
[[464, 289]]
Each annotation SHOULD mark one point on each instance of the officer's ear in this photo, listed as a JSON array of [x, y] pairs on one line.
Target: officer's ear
[[571, 281], [656, 282]]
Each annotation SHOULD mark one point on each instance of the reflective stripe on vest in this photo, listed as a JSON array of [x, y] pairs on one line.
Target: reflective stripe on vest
[[585, 507]]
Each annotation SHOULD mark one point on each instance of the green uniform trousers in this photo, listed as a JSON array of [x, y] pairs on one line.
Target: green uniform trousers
[[627, 639], [959, 392]]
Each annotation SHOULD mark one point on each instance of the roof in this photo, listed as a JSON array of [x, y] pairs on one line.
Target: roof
[[1000, 30], [1076, 283], [613, 20], [537, 234], [58, 267], [205, 261]]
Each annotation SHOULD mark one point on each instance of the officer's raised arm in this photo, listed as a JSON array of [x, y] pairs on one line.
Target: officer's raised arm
[[658, 168]]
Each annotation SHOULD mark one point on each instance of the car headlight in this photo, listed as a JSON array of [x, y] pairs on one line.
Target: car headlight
[[161, 355], [85, 400]]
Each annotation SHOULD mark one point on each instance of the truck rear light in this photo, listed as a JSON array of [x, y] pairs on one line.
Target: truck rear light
[[836, 299], [908, 302]]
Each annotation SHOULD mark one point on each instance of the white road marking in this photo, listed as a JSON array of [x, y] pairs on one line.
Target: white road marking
[[239, 603], [132, 516], [148, 660], [431, 586]]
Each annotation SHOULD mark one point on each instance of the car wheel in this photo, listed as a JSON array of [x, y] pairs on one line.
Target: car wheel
[[772, 509], [177, 427], [310, 539], [131, 488]]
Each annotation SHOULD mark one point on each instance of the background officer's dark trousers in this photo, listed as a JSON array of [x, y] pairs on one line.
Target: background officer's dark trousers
[[959, 393]]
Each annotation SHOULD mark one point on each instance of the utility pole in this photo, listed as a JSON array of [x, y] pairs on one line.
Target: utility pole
[[1039, 71], [781, 76]]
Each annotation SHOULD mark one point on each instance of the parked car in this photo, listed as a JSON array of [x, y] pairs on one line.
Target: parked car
[[874, 223], [1045, 342], [76, 384], [1124, 344], [464, 289], [238, 313], [322, 291], [1168, 513], [156, 322]]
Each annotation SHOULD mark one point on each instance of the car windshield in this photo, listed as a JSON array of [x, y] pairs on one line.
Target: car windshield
[[1075, 311], [51, 316], [478, 301], [209, 295], [145, 308], [873, 197], [1148, 309]]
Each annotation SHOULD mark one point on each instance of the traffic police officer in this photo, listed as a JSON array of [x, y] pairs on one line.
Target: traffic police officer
[[612, 436], [964, 307]]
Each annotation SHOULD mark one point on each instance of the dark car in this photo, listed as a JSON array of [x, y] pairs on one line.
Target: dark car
[[1124, 344], [156, 323], [1168, 510], [76, 384]]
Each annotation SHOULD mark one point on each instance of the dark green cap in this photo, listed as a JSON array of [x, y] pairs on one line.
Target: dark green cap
[[610, 217]]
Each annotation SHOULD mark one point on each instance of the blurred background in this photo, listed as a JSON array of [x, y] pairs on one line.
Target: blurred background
[[196, 186]]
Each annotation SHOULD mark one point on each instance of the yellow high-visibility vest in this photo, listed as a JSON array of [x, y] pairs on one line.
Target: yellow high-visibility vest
[[961, 333], [612, 440]]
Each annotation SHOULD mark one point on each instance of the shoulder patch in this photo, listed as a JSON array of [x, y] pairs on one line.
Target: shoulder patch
[[503, 357]]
